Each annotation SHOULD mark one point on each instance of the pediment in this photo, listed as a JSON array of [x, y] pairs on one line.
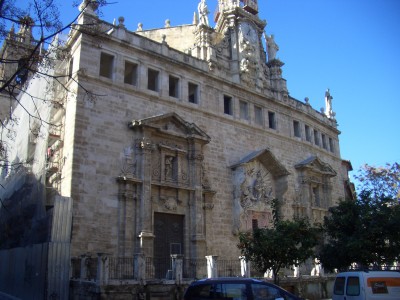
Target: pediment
[[314, 164], [267, 159], [171, 124]]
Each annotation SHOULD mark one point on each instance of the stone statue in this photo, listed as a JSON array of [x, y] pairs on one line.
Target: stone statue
[[203, 12], [169, 167], [272, 47], [328, 104]]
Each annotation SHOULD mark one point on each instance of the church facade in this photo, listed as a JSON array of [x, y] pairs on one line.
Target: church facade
[[174, 140]]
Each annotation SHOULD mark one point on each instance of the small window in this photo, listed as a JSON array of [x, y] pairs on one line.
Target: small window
[[244, 110], [338, 289], [316, 137], [71, 68], [23, 71], [106, 65], [324, 144], [308, 133], [173, 86], [152, 79], [331, 145], [130, 76], [228, 110], [353, 286], [296, 128], [271, 120], [258, 115], [193, 91]]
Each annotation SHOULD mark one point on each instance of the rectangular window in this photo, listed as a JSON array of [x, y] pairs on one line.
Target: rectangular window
[[244, 110], [228, 109], [173, 86], [152, 79], [338, 288], [316, 137], [70, 68], [258, 115], [331, 145], [308, 133], [106, 65], [324, 144], [353, 286], [271, 120], [130, 75], [296, 128], [193, 93]]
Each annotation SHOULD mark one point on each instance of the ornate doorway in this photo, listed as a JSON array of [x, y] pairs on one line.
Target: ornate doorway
[[168, 231]]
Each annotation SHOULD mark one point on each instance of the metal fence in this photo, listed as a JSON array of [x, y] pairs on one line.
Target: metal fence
[[229, 268], [120, 268], [194, 268]]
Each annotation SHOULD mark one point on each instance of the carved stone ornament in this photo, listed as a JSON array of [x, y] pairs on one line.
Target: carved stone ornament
[[256, 187], [258, 178], [128, 162], [170, 203]]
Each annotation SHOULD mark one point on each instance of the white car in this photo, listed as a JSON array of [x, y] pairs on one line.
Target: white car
[[367, 285]]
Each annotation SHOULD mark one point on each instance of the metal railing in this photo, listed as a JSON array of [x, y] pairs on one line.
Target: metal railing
[[229, 268], [123, 268]]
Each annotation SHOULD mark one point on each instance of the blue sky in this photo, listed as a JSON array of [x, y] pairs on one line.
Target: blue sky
[[349, 46]]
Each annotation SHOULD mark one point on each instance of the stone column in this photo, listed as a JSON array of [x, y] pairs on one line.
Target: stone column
[[102, 269], [177, 267], [84, 263], [146, 235], [197, 222], [244, 267], [212, 266], [139, 267]]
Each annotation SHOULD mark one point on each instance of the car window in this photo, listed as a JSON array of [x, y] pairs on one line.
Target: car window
[[230, 291], [338, 289], [266, 292], [353, 286], [199, 292]]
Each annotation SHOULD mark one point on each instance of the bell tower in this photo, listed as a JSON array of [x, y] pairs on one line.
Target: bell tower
[[238, 20]]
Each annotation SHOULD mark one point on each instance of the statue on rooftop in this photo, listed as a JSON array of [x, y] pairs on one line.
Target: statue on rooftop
[[328, 104], [272, 47], [203, 13]]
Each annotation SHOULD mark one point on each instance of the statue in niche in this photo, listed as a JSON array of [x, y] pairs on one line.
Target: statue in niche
[[203, 12], [128, 164], [169, 167]]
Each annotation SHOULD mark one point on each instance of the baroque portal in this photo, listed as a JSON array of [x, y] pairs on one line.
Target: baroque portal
[[258, 179]]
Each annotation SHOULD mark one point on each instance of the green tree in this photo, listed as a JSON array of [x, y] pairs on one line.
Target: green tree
[[380, 181], [365, 231], [288, 243]]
